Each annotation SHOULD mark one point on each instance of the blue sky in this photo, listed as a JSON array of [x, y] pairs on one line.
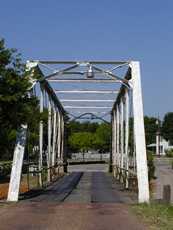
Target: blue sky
[[109, 30]]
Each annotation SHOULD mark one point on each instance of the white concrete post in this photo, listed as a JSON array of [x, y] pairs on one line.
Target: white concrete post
[[49, 138], [40, 163], [127, 134], [141, 158], [13, 192]]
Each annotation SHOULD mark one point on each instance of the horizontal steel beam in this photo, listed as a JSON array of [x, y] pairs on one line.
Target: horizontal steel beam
[[95, 112], [86, 100], [88, 91], [52, 94], [87, 107], [80, 62], [84, 80]]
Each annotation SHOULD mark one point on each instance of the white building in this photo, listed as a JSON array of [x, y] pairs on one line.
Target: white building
[[163, 146]]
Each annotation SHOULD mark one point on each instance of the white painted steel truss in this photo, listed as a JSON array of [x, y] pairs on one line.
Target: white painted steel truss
[[128, 137]]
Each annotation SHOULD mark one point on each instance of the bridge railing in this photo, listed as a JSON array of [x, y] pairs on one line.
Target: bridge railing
[[128, 136], [44, 142]]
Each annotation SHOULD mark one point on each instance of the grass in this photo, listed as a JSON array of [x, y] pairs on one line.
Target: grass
[[157, 216]]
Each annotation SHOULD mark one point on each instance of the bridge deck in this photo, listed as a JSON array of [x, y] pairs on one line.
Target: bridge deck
[[87, 200]]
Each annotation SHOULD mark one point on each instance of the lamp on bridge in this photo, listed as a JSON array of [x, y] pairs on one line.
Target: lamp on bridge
[[90, 72]]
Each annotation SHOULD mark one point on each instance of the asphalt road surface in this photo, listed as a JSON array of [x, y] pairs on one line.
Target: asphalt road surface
[[88, 200]]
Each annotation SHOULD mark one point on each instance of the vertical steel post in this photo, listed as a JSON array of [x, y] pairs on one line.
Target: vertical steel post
[[122, 136], [13, 192], [59, 137], [65, 147], [49, 138], [54, 136], [141, 157], [114, 141], [111, 146], [62, 138], [40, 163], [118, 140], [127, 134], [112, 124]]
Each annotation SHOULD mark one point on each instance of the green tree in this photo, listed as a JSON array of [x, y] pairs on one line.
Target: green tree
[[167, 127], [86, 136], [16, 107], [150, 129], [81, 141], [102, 137]]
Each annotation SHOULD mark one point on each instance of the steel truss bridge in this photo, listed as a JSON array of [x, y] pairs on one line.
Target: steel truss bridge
[[106, 90]]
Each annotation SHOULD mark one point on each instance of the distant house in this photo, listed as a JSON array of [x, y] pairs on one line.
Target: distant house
[[163, 146]]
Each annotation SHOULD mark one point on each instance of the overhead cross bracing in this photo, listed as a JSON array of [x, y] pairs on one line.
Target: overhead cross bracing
[[105, 90], [75, 88]]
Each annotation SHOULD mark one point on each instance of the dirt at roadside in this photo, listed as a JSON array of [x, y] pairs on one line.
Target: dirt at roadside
[[4, 189], [51, 216]]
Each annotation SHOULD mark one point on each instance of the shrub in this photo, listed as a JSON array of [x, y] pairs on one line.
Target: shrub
[[169, 152], [5, 169], [151, 167]]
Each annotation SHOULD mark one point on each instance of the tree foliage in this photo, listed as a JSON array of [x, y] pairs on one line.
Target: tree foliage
[[81, 141], [102, 137], [16, 107], [167, 127], [150, 129], [89, 136]]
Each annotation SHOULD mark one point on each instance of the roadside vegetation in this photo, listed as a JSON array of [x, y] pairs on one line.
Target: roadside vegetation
[[156, 216], [169, 153]]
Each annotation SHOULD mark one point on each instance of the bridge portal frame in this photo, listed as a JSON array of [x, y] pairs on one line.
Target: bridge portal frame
[[131, 85]]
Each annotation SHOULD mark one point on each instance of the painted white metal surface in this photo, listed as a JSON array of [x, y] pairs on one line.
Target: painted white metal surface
[[54, 136], [16, 171], [114, 138], [59, 137], [85, 100], [141, 158], [112, 123], [49, 138], [118, 135], [88, 91], [122, 131], [127, 135], [87, 107], [84, 81], [40, 163], [62, 138]]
